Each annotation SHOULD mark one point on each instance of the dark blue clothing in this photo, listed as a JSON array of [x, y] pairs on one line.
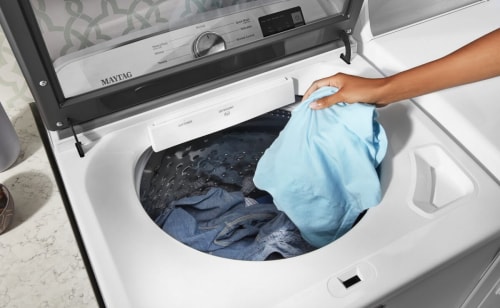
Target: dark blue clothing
[[221, 223]]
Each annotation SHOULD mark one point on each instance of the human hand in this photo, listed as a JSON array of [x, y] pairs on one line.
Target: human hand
[[451, 70], [351, 89]]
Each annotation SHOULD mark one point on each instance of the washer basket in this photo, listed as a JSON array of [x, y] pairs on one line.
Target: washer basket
[[225, 159]]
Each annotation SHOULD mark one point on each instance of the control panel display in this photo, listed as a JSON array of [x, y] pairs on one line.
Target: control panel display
[[281, 21]]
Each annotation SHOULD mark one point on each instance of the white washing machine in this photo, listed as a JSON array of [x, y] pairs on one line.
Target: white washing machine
[[434, 239]]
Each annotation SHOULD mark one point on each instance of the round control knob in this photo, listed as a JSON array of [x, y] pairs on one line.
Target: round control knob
[[208, 43]]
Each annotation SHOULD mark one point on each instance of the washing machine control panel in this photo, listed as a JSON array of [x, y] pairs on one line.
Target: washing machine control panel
[[113, 64]]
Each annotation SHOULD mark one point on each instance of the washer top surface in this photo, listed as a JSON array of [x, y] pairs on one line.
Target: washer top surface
[[430, 185]]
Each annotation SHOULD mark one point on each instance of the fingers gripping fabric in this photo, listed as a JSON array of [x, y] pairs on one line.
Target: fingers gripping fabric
[[321, 170]]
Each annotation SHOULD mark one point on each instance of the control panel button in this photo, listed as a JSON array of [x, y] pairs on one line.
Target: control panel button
[[208, 43]]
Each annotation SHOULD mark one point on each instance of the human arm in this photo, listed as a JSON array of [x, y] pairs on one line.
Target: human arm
[[475, 61]]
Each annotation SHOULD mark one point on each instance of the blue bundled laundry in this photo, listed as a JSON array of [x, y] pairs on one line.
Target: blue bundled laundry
[[322, 169], [225, 224]]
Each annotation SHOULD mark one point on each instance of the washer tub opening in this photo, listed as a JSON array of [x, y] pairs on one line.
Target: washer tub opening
[[226, 159]]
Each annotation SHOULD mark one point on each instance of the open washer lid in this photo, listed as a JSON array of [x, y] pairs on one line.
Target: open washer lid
[[87, 59]]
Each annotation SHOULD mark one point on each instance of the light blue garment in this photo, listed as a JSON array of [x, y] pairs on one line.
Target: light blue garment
[[321, 170]]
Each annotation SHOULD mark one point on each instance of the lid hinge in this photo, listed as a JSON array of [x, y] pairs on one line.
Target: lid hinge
[[345, 39], [78, 144]]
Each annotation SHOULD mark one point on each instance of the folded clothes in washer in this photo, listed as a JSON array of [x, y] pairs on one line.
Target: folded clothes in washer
[[321, 170], [225, 224]]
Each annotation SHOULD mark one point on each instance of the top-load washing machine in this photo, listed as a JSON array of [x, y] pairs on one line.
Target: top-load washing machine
[[122, 88]]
